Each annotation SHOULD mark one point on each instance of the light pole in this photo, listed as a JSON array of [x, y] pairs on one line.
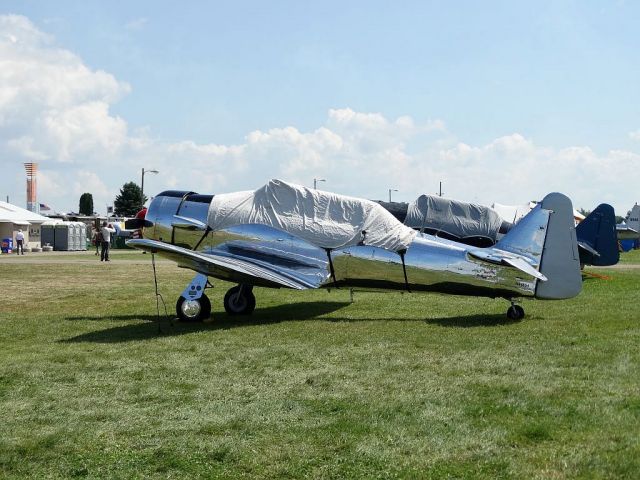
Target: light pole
[[392, 190], [142, 186], [316, 180]]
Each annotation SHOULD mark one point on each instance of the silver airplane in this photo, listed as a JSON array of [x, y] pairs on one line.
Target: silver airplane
[[287, 236]]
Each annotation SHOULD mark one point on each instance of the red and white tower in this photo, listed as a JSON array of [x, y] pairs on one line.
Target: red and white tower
[[32, 190]]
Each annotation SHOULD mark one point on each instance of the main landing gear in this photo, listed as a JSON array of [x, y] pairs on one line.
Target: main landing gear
[[240, 300], [194, 306], [515, 312]]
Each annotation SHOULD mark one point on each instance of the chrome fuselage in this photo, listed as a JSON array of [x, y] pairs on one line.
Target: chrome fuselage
[[429, 264]]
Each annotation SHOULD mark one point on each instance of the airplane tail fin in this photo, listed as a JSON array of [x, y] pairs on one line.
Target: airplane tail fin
[[597, 237], [547, 236]]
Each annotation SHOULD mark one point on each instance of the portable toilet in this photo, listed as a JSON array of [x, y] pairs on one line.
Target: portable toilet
[[72, 236], [47, 234], [63, 237], [75, 226], [78, 235], [83, 236]]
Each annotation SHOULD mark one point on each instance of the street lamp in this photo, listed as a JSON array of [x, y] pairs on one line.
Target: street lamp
[[142, 186], [392, 190], [316, 180]]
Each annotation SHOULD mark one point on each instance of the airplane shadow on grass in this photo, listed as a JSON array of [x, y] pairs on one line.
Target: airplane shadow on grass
[[221, 321], [470, 321], [269, 315]]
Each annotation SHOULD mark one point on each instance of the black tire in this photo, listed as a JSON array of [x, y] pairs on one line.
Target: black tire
[[515, 312], [193, 310], [239, 301]]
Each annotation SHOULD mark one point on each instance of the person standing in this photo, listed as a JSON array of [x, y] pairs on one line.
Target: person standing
[[20, 242], [106, 231], [96, 238]]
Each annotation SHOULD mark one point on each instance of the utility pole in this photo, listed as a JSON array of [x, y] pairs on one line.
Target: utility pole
[[315, 182], [392, 190], [142, 185], [440, 194]]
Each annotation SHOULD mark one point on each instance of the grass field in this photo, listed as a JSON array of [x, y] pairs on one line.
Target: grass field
[[392, 385]]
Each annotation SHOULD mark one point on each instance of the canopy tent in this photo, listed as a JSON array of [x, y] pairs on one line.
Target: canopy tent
[[327, 220], [13, 218], [513, 213], [20, 216]]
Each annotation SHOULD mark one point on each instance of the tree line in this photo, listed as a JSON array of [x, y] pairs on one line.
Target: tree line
[[127, 203]]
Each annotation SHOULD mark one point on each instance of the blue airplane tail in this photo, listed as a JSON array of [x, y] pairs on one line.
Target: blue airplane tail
[[597, 237]]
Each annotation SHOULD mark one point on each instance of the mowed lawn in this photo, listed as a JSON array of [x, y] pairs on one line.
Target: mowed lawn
[[311, 385]]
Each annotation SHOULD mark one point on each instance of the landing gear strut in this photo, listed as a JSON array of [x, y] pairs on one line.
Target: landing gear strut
[[515, 312], [193, 305], [240, 300]]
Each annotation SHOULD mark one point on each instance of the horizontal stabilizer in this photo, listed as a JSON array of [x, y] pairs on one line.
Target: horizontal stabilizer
[[503, 258], [588, 249]]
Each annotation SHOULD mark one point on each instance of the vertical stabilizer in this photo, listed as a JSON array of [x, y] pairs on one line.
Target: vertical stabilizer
[[560, 261], [597, 237]]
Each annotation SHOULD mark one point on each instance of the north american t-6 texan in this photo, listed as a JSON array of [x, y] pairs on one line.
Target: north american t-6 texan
[[288, 236]]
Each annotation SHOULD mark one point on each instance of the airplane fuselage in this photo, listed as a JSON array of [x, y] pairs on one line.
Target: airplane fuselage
[[429, 264]]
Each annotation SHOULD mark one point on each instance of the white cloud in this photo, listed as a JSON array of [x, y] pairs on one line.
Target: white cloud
[[137, 24], [635, 135], [51, 104], [56, 110]]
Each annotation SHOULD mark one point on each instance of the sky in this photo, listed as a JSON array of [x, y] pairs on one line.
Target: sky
[[500, 101]]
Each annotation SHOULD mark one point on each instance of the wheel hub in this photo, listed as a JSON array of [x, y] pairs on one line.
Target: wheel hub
[[238, 302], [191, 308]]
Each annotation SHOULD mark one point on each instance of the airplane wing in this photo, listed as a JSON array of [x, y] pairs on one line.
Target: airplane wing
[[223, 265], [499, 257]]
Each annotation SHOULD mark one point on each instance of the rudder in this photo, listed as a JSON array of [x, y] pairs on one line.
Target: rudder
[[597, 237], [560, 261]]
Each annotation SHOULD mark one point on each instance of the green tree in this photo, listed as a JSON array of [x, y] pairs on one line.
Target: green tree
[[129, 201], [86, 204]]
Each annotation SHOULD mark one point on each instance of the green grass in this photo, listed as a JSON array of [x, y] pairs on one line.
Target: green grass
[[393, 385], [630, 257]]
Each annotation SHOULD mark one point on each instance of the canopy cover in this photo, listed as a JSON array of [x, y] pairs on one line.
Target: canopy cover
[[455, 218], [327, 220]]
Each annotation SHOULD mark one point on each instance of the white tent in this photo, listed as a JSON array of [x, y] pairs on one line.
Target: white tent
[[513, 213], [13, 218]]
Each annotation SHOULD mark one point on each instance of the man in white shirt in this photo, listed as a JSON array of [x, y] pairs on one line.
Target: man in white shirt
[[106, 231], [20, 242]]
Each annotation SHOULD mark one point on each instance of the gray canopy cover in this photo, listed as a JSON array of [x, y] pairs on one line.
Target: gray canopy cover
[[327, 220], [455, 218]]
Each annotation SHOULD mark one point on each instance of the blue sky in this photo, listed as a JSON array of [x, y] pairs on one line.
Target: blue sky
[[520, 84]]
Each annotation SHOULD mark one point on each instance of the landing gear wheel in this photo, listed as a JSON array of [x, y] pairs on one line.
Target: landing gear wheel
[[193, 310], [240, 300], [515, 312]]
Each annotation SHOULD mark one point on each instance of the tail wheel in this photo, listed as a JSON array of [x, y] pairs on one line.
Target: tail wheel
[[515, 312], [240, 300], [193, 310]]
